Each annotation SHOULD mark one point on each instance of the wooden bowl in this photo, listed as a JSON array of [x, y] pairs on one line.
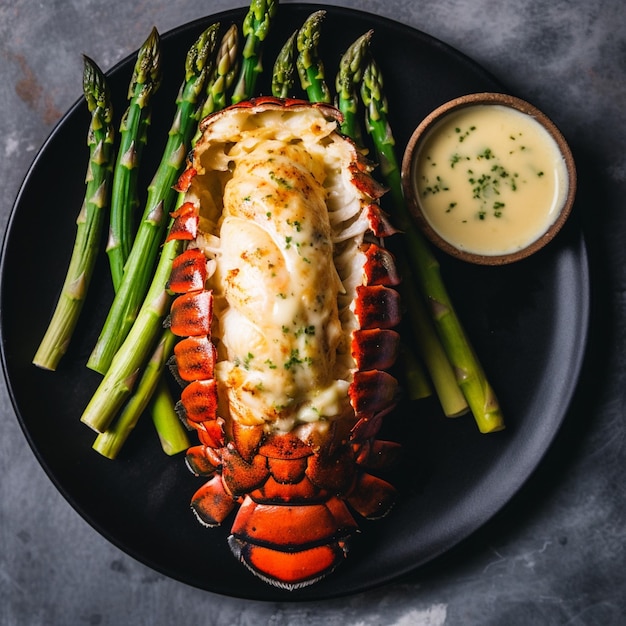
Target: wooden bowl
[[468, 249]]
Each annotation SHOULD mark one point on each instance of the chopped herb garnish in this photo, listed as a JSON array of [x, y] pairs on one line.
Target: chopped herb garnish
[[283, 182], [294, 359], [306, 330], [436, 188], [246, 361]]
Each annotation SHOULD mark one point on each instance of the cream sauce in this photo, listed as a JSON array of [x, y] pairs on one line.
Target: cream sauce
[[491, 180]]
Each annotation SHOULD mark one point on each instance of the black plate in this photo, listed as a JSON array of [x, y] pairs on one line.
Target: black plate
[[528, 322]]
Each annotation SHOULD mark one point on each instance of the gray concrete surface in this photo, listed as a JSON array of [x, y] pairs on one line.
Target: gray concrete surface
[[556, 554]]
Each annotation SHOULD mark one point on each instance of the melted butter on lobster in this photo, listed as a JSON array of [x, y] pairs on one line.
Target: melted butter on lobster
[[286, 311]]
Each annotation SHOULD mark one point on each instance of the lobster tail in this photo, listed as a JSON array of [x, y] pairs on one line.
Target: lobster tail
[[286, 308]]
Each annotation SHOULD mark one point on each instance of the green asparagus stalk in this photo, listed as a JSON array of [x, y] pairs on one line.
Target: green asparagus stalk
[[442, 375], [90, 222], [347, 85], [283, 73], [123, 373], [145, 81], [172, 435], [416, 378], [117, 384], [255, 28], [110, 442], [161, 198], [469, 372], [226, 67], [308, 63]]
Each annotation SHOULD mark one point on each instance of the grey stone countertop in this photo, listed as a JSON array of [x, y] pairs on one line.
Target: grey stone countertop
[[556, 553]]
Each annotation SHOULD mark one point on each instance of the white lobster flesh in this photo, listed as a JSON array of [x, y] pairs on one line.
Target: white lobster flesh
[[287, 310]]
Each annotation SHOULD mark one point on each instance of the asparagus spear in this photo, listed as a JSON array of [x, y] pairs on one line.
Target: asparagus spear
[[283, 74], [172, 435], [145, 81], [161, 197], [169, 427], [347, 85], [226, 66], [121, 377], [90, 221], [416, 379], [119, 380], [255, 28], [308, 63], [431, 349], [110, 442], [469, 372]]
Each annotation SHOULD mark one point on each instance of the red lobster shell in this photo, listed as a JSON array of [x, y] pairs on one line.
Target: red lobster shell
[[286, 308]]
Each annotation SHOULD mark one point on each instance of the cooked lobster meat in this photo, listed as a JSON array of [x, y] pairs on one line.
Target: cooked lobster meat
[[286, 309]]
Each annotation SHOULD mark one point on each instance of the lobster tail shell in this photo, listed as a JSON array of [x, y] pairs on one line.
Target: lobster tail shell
[[301, 545], [286, 308]]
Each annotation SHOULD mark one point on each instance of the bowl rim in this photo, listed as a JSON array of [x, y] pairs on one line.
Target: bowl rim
[[486, 98]]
